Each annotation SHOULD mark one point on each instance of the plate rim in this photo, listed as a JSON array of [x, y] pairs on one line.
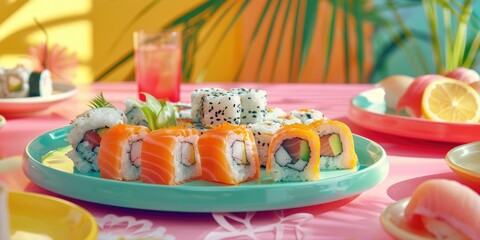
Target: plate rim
[[31, 164], [457, 167], [392, 228], [356, 112], [66, 90], [92, 234]]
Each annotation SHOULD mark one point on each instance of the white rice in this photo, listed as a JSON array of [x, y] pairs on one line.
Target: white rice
[[182, 172], [307, 116], [241, 172], [196, 98], [254, 104], [131, 171], [263, 133]]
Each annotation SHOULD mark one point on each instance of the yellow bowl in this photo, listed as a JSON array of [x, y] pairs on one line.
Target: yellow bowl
[[464, 160], [49, 217]]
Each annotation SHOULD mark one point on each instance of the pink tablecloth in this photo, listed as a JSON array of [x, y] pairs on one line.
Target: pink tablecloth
[[411, 162]]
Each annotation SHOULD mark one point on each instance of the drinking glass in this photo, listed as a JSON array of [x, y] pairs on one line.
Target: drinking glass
[[158, 64]]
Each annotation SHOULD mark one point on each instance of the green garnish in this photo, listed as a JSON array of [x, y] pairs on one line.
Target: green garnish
[[99, 102], [159, 113]]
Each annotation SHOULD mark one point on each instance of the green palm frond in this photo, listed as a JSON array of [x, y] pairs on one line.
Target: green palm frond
[[100, 102]]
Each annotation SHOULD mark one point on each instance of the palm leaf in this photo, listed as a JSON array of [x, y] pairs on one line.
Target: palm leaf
[[222, 37], [280, 41], [308, 30], [346, 41], [252, 39], [267, 40], [357, 14], [331, 34], [431, 12], [296, 25]]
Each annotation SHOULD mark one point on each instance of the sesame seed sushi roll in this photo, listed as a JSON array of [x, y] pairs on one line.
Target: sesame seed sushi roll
[[119, 154], [254, 104], [220, 107], [307, 115], [337, 147], [274, 113], [197, 101], [294, 154], [170, 156], [229, 155], [286, 120], [86, 135], [263, 133]]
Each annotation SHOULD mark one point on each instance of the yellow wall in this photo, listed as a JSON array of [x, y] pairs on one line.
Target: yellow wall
[[100, 33]]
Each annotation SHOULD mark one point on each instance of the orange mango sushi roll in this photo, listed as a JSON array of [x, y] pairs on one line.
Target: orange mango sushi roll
[[337, 149], [119, 154], [294, 154], [229, 155], [170, 156]]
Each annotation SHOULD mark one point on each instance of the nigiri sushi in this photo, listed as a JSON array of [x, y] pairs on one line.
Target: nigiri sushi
[[411, 100], [294, 154], [170, 156], [395, 86], [229, 154], [446, 209], [119, 154], [464, 74]]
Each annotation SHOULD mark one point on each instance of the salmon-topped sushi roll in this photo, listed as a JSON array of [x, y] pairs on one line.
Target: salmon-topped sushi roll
[[337, 146], [170, 156], [294, 154], [229, 155], [119, 154]]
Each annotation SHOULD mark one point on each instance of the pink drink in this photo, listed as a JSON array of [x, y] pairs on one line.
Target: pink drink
[[159, 71]]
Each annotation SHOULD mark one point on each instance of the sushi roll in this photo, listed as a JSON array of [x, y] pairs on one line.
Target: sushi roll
[[86, 135], [14, 82], [286, 120], [197, 101], [337, 147], [254, 104], [170, 156], [134, 115], [40, 84], [229, 155], [307, 115], [263, 133], [274, 113], [119, 154], [220, 107], [294, 154]]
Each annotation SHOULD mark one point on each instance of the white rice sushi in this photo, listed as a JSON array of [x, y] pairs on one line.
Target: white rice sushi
[[86, 135], [337, 147], [254, 104], [221, 107], [307, 115], [197, 101], [263, 133], [134, 115]]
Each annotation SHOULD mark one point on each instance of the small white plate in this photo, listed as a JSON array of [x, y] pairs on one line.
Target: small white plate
[[393, 221], [28, 105]]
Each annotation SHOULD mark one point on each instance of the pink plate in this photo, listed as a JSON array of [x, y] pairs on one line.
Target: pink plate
[[369, 110]]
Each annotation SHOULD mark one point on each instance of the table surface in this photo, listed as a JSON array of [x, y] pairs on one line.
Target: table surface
[[411, 162]]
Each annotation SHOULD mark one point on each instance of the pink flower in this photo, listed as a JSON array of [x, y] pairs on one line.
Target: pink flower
[[62, 65]]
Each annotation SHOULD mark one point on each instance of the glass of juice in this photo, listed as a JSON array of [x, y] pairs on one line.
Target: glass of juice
[[158, 64]]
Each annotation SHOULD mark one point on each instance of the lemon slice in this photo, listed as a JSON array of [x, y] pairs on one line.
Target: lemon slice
[[450, 100]]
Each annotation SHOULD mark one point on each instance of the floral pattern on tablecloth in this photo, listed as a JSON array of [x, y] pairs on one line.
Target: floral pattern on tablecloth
[[236, 227], [126, 227]]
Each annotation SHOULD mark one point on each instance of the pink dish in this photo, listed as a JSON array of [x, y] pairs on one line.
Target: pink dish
[[369, 110]]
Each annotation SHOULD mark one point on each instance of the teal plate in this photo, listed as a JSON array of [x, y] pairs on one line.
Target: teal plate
[[57, 174]]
